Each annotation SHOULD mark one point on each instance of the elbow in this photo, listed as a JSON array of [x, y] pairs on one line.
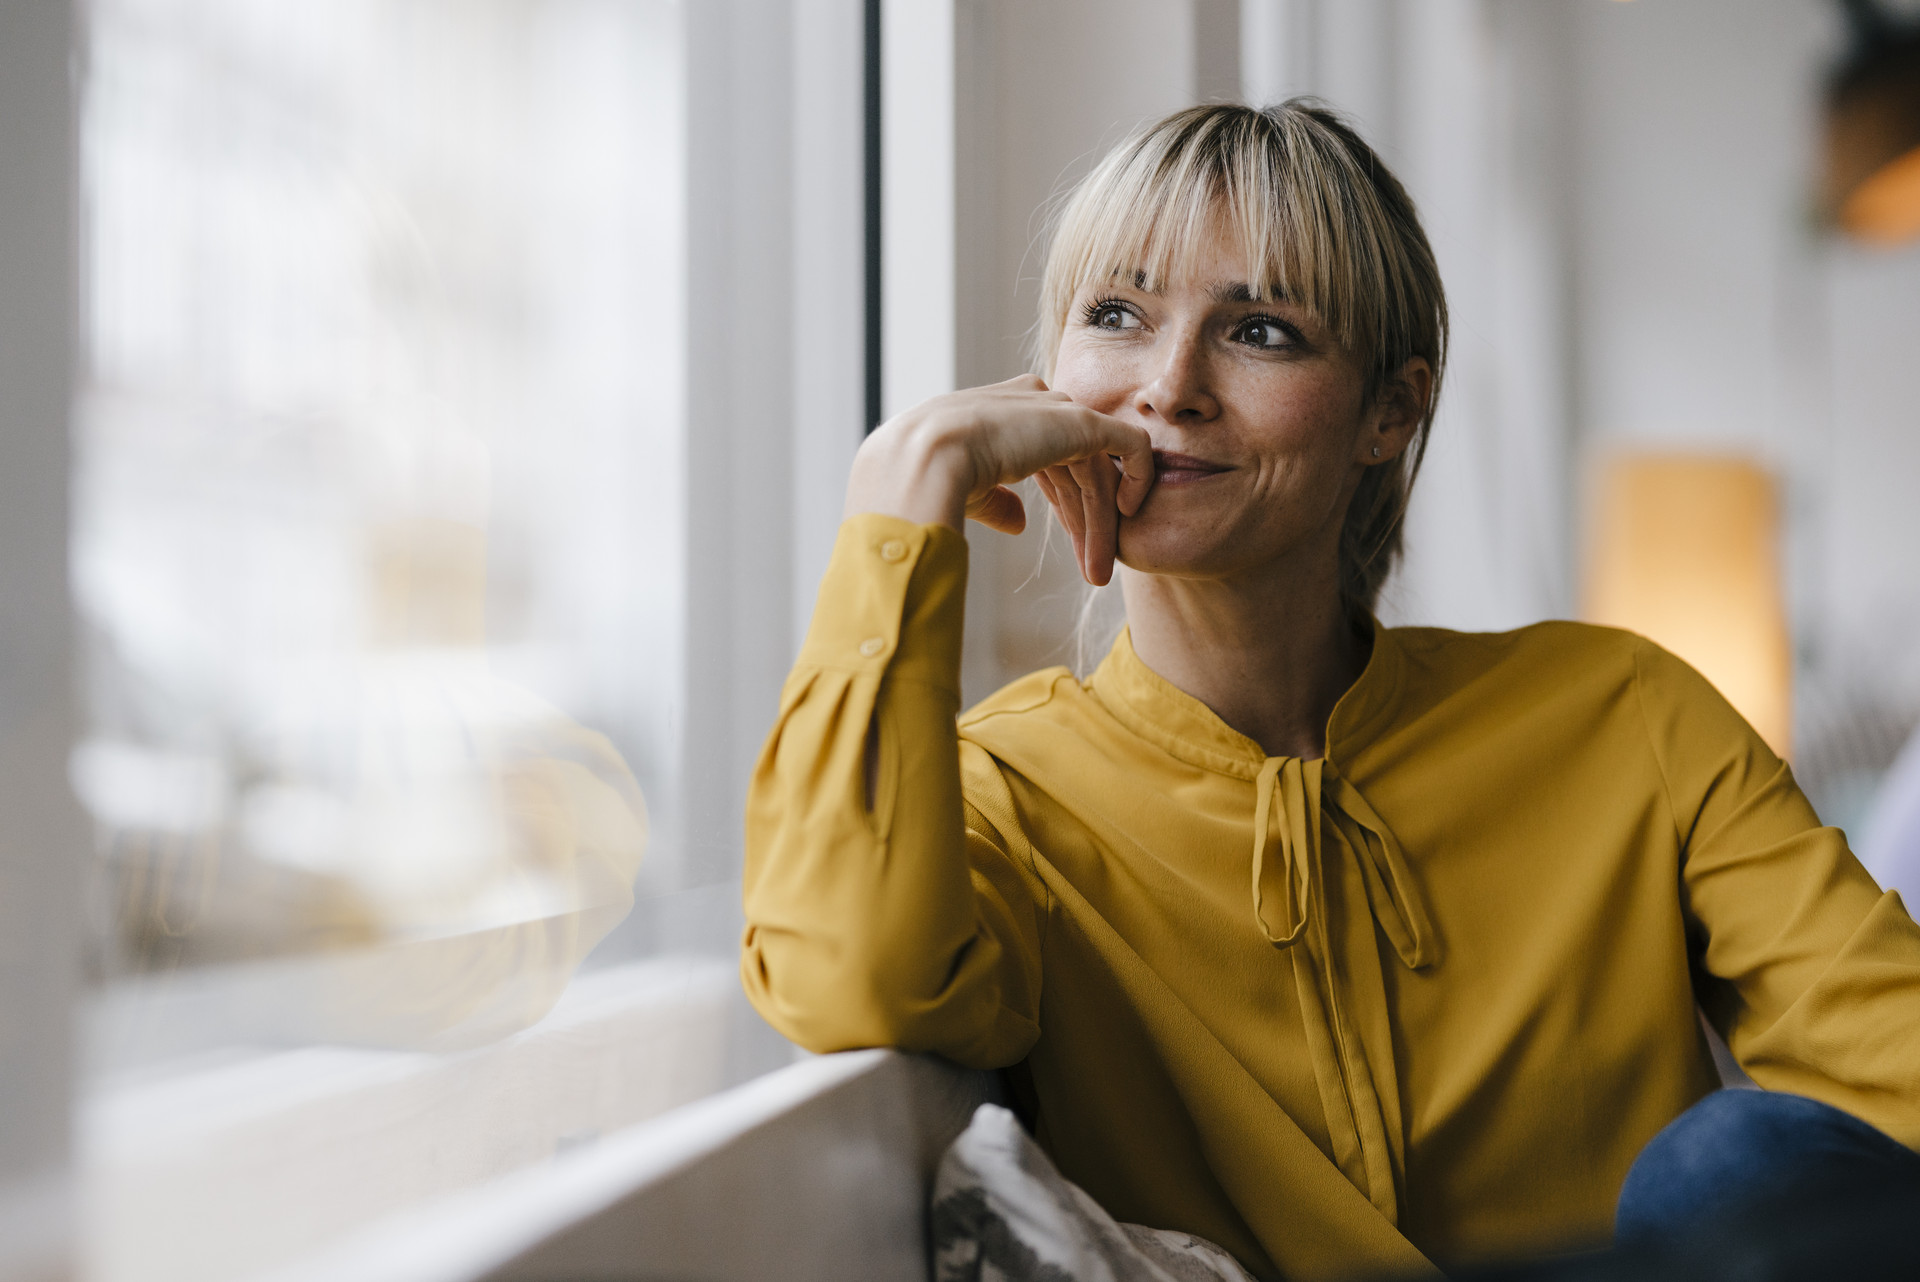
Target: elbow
[[830, 999]]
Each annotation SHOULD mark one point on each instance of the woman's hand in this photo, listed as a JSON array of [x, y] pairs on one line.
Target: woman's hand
[[954, 456]]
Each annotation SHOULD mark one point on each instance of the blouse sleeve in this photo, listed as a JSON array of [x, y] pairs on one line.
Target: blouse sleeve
[[1810, 972], [916, 923]]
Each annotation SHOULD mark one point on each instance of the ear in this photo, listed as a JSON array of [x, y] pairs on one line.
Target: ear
[[1396, 412]]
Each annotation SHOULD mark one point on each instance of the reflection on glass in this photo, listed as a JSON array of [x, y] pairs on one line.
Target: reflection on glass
[[378, 603]]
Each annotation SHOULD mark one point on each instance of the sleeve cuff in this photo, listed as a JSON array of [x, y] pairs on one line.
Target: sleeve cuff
[[893, 599]]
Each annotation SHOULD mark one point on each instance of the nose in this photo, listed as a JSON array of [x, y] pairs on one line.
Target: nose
[[1179, 390]]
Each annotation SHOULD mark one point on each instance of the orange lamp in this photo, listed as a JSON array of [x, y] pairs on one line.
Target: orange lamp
[[1873, 129], [1685, 551]]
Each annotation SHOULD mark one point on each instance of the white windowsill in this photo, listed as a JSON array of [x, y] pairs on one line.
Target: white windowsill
[[224, 1169], [816, 1173]]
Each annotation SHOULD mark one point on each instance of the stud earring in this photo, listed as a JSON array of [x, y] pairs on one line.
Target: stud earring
[[1376, 451]]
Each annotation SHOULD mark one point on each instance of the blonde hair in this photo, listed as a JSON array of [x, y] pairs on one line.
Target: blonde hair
[[1326, 226]]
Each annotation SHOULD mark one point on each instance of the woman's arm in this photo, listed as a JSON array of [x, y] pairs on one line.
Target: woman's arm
[[1809, 971], [881, 909]]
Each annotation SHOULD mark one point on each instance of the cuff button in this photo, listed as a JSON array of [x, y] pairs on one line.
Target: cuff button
[[893, 550], [872, 646]]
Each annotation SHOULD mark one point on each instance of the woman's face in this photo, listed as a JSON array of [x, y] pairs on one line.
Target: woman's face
[[1260, 425]]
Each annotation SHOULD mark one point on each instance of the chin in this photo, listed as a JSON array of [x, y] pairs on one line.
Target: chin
[[1172, 548]]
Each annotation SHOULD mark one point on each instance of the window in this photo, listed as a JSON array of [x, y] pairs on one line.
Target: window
[[411, 613], [381, 554], [377, 491]]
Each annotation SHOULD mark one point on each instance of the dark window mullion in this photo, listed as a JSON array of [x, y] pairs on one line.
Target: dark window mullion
[[872, 141]]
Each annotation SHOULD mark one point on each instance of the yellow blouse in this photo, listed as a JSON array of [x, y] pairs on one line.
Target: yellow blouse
[[1415, 1004]]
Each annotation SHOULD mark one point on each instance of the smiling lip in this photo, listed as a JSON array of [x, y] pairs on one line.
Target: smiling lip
[[1177, 469]]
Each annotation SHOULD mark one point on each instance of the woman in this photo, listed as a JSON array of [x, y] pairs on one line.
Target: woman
[[1352, 949]]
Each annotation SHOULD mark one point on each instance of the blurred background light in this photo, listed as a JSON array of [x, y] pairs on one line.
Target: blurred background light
[[1873, 128], [1685, 551]]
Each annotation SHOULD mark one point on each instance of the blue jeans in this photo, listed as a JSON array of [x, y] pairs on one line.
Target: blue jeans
[[1749, 1156]]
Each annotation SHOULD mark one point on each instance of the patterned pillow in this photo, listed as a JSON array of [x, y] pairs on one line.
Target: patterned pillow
[[1002, 1213]]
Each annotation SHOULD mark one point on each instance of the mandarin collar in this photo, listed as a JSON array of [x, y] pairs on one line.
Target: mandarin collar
[[1163, 714]]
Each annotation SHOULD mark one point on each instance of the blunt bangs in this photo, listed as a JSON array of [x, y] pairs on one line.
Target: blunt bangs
[[1291, 187]]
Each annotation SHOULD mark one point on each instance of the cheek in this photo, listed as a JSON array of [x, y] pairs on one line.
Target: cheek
[[1309, 423], [1099, 380]]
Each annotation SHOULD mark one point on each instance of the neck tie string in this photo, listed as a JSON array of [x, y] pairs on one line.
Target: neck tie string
[[1298, 789]]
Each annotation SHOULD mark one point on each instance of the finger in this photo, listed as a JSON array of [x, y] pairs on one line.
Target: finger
[[1046, 487], [1025, 383], [1058, 504], [999, 509], [1064, 494], [1136, 469], [1049, 492], [1038, 429], [1102, 518], [1128, 446], [1097, 478]]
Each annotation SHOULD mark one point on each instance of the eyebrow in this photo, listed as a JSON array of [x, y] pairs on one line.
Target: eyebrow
[[1237, 292], [1243, 293]]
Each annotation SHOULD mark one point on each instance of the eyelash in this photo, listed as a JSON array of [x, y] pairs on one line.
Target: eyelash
[[1091, 313], [1293, 334]]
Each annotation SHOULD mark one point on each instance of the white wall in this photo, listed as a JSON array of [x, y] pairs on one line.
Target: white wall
[[1864, 574], [42, 844], [1480, 138], [1694, 155]]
